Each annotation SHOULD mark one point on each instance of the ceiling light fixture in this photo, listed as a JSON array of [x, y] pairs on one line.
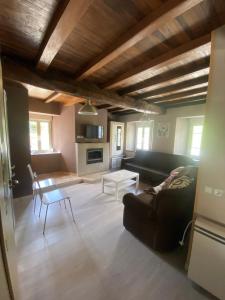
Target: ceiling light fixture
[[88, 109]]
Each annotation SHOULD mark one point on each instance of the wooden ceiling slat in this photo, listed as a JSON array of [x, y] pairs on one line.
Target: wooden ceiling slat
[[175, 87], [103, 106], [155, 64], [168, 76], [62, 28], [52, 97], [14, 70], [183, 100], [115, 109], [165, 13], [178, 95], [181, 103]]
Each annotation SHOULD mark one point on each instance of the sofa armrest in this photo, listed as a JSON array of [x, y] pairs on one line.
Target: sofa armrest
[[140, 204], [175, 204]]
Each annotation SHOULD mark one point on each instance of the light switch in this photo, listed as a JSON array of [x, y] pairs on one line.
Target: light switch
[[218, 192], [208, 189]]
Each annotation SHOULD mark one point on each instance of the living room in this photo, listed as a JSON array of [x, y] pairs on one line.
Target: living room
[[112, 149]]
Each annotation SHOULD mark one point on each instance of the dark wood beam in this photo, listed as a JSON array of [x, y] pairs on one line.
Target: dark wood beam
[[165, 13], [14, 70], [103, 106], [124, 112], [193, 92], [167, 77], [60, 30], [159, 62], [52, 97], [184, 103], [115, 109], [183, 100], [175, 87]]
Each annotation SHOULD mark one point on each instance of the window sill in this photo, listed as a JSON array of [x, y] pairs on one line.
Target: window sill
[[45, 153]]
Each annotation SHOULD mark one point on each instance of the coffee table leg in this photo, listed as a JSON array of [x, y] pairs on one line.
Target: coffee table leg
[[117, 197], [137, 183]]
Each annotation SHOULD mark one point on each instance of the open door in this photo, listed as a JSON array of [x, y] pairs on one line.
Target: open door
[[7, 240]]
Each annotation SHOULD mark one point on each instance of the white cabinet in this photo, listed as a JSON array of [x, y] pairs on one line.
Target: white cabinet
[[207, 262]]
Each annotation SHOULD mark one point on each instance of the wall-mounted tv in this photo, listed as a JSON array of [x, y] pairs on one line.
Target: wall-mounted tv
[[94, 132]]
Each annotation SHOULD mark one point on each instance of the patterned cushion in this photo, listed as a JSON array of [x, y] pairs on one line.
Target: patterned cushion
[[180, 182]]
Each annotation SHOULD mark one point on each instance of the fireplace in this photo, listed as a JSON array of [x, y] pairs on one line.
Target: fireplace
[[94, 155]]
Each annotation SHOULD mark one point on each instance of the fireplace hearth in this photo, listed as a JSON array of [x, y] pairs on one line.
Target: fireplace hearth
[[94, 155]]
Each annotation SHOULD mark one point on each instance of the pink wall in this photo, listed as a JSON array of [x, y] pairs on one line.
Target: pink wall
[[47, 163], [63, 133], [81, 121]]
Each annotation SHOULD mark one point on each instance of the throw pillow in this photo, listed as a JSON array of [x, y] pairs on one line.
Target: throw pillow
[[180, 182]]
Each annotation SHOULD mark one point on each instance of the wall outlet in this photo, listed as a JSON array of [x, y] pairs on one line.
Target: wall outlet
[[218, 192], [208, 189]]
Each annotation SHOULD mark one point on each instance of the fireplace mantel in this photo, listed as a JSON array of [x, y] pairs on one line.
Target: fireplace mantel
[[82, 166]]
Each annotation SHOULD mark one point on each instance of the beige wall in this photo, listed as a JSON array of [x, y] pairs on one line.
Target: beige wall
[[63, 133], [211, 176], [81, 121], [163, 144]]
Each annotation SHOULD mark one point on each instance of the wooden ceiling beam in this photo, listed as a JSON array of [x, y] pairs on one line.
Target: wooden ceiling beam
[[125, 112], [115, 109], [175, 87], [179, 95], [103, 106], [181, 103], [60, 30], [176, 73], [191, 98], [15, 70], [159, 62], [165, 13], [52, 97]]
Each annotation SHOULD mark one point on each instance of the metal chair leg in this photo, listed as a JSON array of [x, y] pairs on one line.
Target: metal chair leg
[[40, 210], [45, 219], [71, 210], [65, 203]]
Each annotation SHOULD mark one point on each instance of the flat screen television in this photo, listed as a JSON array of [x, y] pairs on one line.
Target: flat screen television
[[93, 132]]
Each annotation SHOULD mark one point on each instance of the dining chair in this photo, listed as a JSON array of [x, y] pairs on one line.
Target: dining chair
[[51, 197], [34, 178]]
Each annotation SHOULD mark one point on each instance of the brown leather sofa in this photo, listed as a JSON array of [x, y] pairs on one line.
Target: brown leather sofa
[[154, 167], [159, 221]]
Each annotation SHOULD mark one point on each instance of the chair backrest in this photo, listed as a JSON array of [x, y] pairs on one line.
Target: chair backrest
[[39, 188], [32, 174]]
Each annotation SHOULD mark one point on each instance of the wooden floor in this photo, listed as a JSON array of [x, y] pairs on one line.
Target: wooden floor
[[96, 259]]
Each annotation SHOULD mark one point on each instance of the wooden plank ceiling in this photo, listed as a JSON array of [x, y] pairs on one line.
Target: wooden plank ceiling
[[143, 51]]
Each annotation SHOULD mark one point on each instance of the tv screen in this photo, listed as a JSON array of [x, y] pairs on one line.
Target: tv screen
[[94, 132]]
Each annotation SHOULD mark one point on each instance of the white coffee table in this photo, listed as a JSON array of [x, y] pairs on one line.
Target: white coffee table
[[120, 179]]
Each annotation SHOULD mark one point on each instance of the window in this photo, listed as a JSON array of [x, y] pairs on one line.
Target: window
[[118, 137], [40, 136], [196, 140], [143, 138]]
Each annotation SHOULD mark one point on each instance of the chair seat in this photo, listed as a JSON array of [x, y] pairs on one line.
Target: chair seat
[[54, 196]]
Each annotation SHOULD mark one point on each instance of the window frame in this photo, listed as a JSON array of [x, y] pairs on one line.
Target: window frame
[[191, 141], [39, 120], [144, 125]]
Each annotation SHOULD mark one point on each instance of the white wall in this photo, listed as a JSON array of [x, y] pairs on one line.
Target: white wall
[[163, 144]]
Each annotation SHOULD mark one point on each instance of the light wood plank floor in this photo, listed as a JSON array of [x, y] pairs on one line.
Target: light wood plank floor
[[96, 259]]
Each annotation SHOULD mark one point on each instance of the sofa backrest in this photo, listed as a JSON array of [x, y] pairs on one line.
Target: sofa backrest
[[164, 162]]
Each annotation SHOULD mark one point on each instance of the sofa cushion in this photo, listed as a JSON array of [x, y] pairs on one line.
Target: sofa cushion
[[164, 162], [180, 182], [147, 169]]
